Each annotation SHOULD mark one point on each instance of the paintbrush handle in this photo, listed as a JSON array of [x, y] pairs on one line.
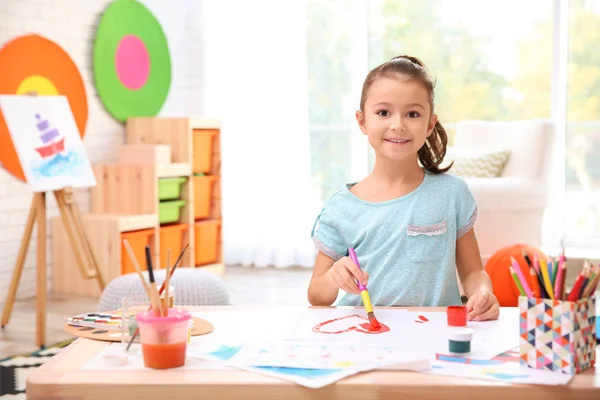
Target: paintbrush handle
[[354, 259]]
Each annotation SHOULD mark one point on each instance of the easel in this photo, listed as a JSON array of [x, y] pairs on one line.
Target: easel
[[83, 253]]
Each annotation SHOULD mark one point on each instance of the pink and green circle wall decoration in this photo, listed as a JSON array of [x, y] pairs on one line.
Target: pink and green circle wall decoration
[[132, 65]]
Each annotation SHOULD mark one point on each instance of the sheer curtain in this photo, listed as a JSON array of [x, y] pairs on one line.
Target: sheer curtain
[[256, 82]]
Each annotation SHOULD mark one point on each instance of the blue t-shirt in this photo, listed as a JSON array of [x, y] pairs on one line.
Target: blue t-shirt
[[407, 245]]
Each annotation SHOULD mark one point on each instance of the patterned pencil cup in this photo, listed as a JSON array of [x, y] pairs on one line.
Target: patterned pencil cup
[[557, 335]]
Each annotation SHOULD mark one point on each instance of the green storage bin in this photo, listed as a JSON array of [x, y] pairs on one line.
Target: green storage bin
[[169, 211], [170, 188]]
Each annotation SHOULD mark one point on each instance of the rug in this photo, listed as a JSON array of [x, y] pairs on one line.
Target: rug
[[14, 369]]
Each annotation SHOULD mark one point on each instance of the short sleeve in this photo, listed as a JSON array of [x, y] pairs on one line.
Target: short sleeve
[[327, 237], [466, 214]]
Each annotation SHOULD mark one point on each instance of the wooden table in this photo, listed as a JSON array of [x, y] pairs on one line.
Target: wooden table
[[61, 378]]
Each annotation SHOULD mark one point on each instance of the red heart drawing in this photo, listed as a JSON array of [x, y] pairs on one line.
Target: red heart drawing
[[349, 323]]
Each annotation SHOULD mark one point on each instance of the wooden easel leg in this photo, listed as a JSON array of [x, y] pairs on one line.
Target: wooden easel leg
[[71, 205], [41, 271], [78, 239], [14, 283]]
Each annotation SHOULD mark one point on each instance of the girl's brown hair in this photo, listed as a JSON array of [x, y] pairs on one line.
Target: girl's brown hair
[[433, 151]]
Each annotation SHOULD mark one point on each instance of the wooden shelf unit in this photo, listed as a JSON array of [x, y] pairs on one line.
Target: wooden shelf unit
[[195, 142], [125, 200]]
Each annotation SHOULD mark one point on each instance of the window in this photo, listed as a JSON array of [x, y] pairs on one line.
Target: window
[[478, 51], [582, 170], [493, 60]]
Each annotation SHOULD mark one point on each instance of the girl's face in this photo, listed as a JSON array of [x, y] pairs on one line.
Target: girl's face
[[397, 117]]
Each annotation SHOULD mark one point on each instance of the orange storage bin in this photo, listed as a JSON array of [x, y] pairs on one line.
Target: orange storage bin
[[207, 235], [203, 192], [203, 149], [171, 237], [138, 240]]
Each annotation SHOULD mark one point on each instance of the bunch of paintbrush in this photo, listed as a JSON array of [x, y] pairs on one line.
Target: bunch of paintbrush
[[161, 308], [548, 277]]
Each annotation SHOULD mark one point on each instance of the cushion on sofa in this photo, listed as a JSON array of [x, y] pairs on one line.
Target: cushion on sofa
[[484, 164]]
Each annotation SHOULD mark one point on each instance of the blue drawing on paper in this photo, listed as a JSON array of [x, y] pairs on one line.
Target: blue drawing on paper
[[225, 352], [506, 376], [55, 158], [302, 372]]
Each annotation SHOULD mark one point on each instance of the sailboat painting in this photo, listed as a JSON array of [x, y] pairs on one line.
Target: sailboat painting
[[47, 142]]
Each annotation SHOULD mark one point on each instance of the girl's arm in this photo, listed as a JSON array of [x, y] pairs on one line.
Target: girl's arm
[[320, 291], [482, 304], [468, 263]]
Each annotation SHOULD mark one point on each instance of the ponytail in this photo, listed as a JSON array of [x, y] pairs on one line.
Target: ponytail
[[433, 151]]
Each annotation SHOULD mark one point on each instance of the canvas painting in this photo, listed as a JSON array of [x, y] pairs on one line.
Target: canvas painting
[[47, 141]]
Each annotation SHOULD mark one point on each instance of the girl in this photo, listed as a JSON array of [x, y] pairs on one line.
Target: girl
[[410, 224]]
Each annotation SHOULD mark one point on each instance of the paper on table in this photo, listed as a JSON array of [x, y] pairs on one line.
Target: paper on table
[[309, 377], [429, 331], [323, 355], [505, 368], [136, 362]]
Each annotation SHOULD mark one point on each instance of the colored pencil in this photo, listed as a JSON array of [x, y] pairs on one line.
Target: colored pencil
[[574, 294], [535, 286], [547, 284], [535, 268], [524, 284], [559, 282], [517, 282], [591, 286]]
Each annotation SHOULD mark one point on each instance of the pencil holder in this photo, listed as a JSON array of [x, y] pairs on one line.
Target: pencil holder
[[557, 335]]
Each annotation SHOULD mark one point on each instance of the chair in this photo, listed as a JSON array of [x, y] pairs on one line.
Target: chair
[[193, 287], [511, 207]]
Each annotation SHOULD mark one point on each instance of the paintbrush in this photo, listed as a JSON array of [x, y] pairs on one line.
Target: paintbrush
[[137, 331], [166, 282], [364, 293], [154, 296], [137, 267]]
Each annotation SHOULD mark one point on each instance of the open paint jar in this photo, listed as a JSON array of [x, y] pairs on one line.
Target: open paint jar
[[164, 339], [457, 315], [459, 341]]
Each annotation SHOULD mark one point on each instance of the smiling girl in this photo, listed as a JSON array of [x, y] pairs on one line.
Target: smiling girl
[[410, 223]]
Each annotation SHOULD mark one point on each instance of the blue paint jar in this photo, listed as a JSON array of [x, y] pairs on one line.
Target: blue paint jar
[[459, 341]]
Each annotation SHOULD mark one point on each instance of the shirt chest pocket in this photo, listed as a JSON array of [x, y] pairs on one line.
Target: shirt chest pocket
[[426, 243]]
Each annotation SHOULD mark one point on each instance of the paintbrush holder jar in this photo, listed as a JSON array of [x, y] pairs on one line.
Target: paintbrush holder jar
[[164, 338], [557, 335]]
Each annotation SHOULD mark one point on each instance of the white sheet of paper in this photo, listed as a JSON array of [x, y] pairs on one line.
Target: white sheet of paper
[[322, 355], [47, 141], [490, 338], [509, 372], [136, 362]]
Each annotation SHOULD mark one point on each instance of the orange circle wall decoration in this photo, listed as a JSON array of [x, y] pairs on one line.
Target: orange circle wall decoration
[[33, 64]]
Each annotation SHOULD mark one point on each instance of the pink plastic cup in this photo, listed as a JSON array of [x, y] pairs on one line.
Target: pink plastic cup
[[164, 339]]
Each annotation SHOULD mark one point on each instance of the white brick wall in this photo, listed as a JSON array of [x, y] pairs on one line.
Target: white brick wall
[[72, 24]]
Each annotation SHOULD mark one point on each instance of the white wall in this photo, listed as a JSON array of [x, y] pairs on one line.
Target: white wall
[[72, 24]]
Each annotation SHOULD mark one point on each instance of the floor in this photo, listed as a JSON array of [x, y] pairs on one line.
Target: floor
[[249, 286]]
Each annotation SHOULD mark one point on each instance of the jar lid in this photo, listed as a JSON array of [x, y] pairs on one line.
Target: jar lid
[[460, 334]]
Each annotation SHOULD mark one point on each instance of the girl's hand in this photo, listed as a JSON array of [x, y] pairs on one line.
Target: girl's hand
[[483, 306], [344, 274]]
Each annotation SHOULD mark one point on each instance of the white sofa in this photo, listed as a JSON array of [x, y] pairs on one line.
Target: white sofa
[[511, 207]]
